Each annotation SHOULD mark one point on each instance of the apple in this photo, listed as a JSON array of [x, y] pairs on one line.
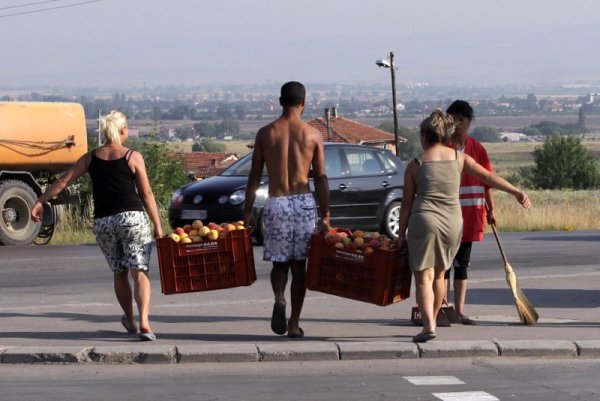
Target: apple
[[342, 234], [212, 226], [186, 240], [240, 227], [187, 228], [374, 244], [193, 233], [197, 238], [197, 224], [183, 235], [174, 237], [351, 247], [213, 235], [359, 241], [368, 250], [346, 241], [358, 234], [204, 231], [179, 231], [339, 245], [229, 227]]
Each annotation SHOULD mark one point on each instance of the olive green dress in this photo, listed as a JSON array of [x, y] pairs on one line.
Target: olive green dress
[[435, 224]]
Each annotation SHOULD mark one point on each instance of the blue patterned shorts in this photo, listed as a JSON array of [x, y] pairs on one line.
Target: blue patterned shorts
[[289, 223], [125, 240]]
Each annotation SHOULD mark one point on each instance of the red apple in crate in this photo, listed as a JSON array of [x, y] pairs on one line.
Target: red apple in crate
[[374, 244], [179, 231], [187, 228], [351, 247]]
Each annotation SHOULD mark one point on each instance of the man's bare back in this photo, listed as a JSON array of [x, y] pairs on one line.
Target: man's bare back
[[288, 146]]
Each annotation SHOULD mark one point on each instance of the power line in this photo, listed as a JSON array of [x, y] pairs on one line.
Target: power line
[[50, 8], [29, 4]]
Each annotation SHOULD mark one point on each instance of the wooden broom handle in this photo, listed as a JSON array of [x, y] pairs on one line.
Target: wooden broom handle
[[487, 208]]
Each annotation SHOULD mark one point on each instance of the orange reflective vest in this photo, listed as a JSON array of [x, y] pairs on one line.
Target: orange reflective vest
[[472, 194]]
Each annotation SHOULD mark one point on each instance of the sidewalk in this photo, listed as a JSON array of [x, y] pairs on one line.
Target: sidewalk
[[70, 315]]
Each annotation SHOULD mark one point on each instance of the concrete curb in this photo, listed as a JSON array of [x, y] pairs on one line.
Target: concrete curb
[[144, 353]]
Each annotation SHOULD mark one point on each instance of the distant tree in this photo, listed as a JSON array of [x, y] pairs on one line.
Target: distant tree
[[408, 149], [547, 128], [165, 172], [240, 111], [227, 127], [224, 111], [581, 120], [205, 129], [209, 145], [530, 131], [563, 162], [185, 132], [486, 134]]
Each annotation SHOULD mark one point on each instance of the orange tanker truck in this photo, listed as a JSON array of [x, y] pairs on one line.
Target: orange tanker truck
[[38, 141]]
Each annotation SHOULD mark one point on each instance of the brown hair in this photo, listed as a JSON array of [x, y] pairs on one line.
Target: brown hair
[[437, 127]]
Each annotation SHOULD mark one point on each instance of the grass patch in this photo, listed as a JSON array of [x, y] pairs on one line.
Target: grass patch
[[554, 210]]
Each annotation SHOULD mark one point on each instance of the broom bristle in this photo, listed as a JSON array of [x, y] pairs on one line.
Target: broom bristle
[[527, 312]]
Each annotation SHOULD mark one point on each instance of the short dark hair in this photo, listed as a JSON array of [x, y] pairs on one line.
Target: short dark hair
[[462, 108], [292, 94]]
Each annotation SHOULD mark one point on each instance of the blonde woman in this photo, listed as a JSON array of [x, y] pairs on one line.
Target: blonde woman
[[123, 205], [430, 217]]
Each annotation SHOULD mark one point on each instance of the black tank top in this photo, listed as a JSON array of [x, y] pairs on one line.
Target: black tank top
[[113, 185]]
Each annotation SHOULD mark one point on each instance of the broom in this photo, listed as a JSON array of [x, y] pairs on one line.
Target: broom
[[527, 312]]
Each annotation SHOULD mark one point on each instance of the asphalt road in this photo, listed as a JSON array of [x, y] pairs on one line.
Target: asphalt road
[[62, 295], [440, 379]]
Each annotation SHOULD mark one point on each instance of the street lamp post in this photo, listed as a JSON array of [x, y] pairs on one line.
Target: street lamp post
[[390, 64]]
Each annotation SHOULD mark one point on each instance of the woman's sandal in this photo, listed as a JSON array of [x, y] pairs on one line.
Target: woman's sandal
[[126, 325], [423, 337]]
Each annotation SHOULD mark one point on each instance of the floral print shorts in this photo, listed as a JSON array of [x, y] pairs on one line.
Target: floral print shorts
[[289, 223], [125, 240]]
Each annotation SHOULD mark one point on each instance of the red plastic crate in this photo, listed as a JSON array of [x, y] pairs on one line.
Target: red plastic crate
[[204, 266], [382, 277]]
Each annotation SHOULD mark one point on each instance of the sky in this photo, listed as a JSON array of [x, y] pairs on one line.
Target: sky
[[132, 43]]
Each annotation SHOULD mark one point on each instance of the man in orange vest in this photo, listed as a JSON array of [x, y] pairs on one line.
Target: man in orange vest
[[473, 198]]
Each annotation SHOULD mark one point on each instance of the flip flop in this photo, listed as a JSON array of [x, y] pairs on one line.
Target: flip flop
[[298, 334], [147, 337], [278, 322], [126, 326], [423, 337], [466, 321]]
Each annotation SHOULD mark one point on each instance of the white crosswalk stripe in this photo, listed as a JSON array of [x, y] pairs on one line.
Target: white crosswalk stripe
[[466, 396], [433, 380]]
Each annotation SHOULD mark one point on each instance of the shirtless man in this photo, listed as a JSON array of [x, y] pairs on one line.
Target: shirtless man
[[288, 147]]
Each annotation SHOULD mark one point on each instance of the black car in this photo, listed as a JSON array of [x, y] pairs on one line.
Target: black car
[[365, 186]]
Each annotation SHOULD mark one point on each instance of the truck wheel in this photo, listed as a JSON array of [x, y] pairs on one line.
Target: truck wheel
[[391, 220], [16, 201]]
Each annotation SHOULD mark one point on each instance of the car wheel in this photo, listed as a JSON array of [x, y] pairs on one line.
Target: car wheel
[[391, 220]]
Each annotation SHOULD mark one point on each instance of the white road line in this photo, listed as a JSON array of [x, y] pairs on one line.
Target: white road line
[[466, 396], [545, 276], [433, 380]]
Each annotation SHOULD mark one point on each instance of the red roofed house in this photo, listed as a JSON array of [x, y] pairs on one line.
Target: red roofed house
[[348, 131], [202, 164]]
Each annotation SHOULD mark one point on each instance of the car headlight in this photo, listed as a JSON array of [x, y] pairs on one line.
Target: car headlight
[[176, 198], [262, 193], [237, 197]]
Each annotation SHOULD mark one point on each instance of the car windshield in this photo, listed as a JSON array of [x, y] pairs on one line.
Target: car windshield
[[241, 167]]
